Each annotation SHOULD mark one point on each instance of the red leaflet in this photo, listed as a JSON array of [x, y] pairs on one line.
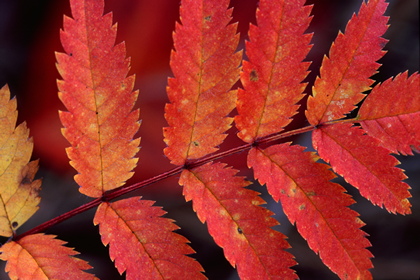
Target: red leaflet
[[352, 60], [205, 67], [237, 223], [391, 113], [39, 256], [317, 206], [272, 77], [364, 164], [142, 243], [99, 123]]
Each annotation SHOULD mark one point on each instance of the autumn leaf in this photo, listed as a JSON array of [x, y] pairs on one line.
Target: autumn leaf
[[205, 67], [344, 75], [18, 190], [364, 164], [237, 222], [42, 257], [391, 113], [100, 123], [317, 206], [272, 78], [143, 243]]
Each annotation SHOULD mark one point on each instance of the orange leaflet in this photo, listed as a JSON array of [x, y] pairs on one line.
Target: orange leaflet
[[272, 77], [364, 164], [43, 257], [205, 67], [352, 60], [317, 206], [100, 123], [391, 113], [18, 190], [237, 222], [142, 243]]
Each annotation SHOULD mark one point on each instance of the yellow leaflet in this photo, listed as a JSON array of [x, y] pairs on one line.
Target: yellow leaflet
[[18, 191]]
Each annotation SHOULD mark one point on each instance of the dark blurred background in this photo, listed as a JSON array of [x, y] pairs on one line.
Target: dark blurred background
[[29, 36]]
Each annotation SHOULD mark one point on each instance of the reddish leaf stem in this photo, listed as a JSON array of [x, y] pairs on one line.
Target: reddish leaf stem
[[60, 218], [126, 189]]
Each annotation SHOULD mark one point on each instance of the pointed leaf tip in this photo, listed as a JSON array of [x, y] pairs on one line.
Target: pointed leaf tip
[[272, 78], [352, 60], [205, 65], [100, 123]]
